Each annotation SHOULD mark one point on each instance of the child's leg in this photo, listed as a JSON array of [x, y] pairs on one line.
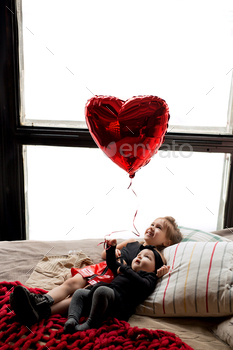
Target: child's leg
[[31, 307], [77, 305], [102, 299], [67, 288], [61, 307]]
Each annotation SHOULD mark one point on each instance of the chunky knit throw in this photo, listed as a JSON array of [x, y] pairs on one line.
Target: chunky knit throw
[[49, 334]]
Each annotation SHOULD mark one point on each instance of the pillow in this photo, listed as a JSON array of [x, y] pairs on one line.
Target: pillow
[[224, 331], [199, 283], [190, 234]]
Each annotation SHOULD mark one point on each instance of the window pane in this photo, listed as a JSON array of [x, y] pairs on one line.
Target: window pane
[[177, 50], [76, 193]]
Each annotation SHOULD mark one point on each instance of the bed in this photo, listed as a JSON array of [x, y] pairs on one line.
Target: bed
[[19, 260]]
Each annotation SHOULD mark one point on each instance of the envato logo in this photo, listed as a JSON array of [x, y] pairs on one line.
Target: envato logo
[[141, 150]]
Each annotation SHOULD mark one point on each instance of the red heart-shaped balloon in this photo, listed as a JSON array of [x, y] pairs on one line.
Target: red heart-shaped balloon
[[129, 132]]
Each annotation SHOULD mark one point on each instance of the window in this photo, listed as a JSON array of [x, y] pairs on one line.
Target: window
[[75, 193], [179, 51], [43, 95]]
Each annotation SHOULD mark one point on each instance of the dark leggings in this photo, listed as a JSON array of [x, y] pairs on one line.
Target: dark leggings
[[101, 305]]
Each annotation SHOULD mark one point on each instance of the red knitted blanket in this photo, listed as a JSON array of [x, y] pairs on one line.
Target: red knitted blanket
[[48, 334]]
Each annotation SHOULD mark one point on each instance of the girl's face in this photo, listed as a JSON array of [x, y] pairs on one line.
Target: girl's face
[[144, 261], [156, 234]]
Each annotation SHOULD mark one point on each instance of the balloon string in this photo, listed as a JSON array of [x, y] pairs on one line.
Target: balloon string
[[137, 234], [130, 184], [109, 234]]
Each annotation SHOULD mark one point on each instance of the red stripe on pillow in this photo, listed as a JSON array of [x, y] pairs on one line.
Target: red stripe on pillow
[[173, 263], [208, 277]]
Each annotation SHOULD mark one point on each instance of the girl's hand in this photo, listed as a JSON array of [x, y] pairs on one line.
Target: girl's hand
[[162, 271], [111, 242]]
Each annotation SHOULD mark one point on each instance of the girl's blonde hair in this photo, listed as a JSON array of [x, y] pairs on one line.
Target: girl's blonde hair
[[173, 232]]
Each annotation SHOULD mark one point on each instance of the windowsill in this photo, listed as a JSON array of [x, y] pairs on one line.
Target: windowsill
[[171, 128]]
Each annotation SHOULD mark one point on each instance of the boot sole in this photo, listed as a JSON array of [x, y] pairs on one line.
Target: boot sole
[[22, 306]]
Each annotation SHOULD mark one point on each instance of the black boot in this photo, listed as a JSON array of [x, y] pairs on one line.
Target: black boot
[[30, 307]]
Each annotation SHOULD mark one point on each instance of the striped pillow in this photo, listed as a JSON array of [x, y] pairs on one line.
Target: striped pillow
[[199, 284], [190, 234]]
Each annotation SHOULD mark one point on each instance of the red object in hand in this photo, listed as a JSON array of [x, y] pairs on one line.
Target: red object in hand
[[129, 132]]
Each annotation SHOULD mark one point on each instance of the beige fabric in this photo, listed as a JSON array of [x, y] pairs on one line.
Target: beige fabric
[[224, 330], [192, 331], [226, 233], [52, 271], [19, 258]]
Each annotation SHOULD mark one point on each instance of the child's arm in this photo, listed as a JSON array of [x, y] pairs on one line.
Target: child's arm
[[148, 279], [118, 248], [112, 263], [160, 272]]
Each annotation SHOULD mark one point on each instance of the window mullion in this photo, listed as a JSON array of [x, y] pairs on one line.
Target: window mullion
[[230, 109], [228, 217]]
